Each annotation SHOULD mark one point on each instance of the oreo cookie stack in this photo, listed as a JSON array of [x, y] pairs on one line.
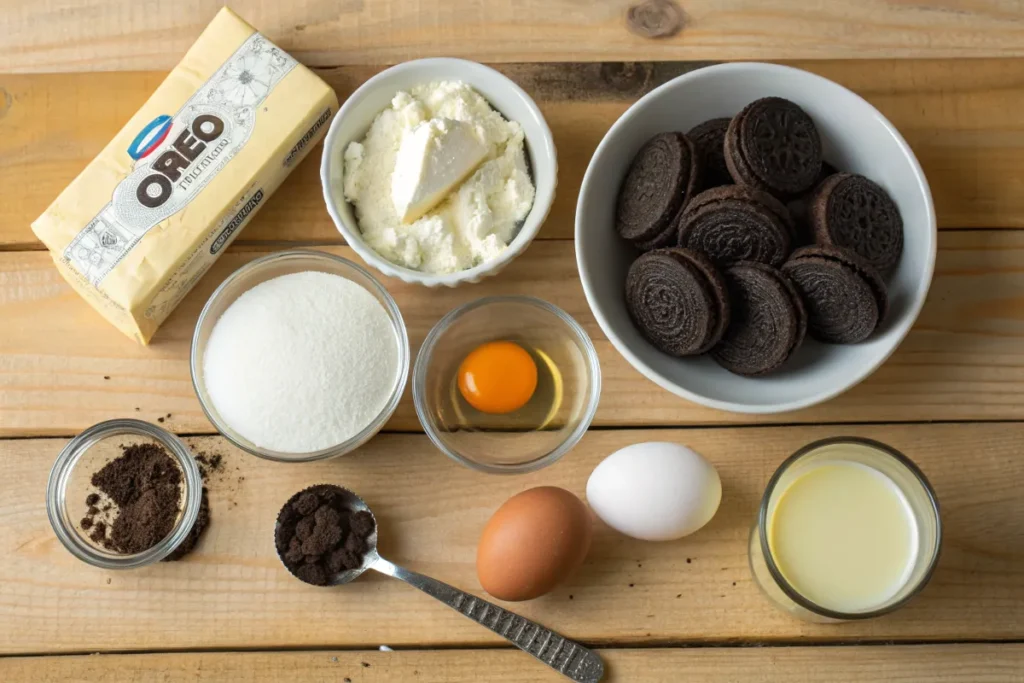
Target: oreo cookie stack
[[748, 241]]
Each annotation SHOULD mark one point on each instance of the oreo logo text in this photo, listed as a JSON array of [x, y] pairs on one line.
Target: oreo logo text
[[156, 188]]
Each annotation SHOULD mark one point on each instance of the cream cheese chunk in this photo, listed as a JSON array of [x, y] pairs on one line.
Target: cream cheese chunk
[[475, 217], [434, 157]]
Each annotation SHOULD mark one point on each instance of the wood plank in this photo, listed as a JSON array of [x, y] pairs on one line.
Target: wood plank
[[960, 117], [964, 360], [937, 663], [233, 593], [92, 35]]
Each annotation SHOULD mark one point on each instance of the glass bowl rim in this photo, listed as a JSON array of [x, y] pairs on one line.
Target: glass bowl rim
[[68, 459], [552, 456], [356, 440], [776, 573]]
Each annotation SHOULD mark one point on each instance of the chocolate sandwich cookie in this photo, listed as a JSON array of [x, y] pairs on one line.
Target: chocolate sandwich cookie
[[709, 140], [737, 223], [774, 146], [664, 239], [678, 301], [768, 321], [663, 174], [856, 213], [799, 209], [844, 295]]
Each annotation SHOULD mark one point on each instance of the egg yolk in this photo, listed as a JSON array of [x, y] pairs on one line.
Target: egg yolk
[[498, 377]]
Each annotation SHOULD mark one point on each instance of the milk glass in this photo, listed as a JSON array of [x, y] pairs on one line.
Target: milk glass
[[900, 472]]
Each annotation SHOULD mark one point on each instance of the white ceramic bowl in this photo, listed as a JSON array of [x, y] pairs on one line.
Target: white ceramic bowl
[[856, 138], [358, 112]]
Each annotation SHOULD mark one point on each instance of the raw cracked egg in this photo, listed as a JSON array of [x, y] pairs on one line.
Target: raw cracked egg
[[655, 491], [498, 377], [532, 543]]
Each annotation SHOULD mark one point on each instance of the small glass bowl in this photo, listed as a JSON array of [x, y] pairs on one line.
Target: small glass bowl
[[267, 268], [70, 484], [894, 466], [561, 409]]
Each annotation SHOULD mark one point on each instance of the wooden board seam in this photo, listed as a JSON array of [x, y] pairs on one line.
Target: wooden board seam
[[263, 245], [616, 428], [988, 663], [470, 647]]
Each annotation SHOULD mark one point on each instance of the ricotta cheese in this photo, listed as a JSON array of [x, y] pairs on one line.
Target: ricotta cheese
[[464, 224]]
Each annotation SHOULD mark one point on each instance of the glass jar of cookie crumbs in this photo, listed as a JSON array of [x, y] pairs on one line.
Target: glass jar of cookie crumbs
[[125, 494]]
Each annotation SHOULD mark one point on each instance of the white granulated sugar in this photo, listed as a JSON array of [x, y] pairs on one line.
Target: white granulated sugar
[[301, 362], [475, 223]]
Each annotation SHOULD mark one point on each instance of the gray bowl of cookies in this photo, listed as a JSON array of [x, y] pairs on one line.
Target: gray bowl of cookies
[[754, 237]]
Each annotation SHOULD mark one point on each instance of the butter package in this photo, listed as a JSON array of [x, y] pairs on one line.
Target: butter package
[[149, 216]]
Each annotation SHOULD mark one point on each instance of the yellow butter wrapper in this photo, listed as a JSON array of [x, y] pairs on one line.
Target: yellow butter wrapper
[[149, 216]]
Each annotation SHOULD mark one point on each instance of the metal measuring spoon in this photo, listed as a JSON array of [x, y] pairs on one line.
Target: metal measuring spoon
[[561, 654]]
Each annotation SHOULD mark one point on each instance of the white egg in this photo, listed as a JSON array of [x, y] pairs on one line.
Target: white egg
[[655, 491]]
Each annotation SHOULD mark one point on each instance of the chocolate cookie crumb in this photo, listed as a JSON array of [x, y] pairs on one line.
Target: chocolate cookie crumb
[[144, 488], [362, 523], [99, 533], [318, 537], [355, 544], [189, 544], [210, 463]]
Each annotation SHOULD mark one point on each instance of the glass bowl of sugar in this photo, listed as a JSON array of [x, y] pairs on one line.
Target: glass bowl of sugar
[[300, 356]]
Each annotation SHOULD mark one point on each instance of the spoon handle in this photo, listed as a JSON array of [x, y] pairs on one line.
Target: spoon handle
[[561, 654]]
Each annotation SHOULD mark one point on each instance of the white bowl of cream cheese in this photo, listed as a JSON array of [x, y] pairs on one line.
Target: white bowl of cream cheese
[[467, 214]]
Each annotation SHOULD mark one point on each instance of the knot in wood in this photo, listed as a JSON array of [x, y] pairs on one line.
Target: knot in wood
[[655, 19], [626, 77]]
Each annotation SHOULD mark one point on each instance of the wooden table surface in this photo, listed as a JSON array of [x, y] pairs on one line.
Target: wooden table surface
[[948, 73]]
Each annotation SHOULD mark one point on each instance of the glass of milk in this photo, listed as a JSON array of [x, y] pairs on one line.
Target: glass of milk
[[848, 529]]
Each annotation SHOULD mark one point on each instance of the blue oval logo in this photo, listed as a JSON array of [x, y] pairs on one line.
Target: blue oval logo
[[150, 137]]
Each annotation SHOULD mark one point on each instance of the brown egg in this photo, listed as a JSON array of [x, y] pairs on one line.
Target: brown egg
[[532, 543]]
